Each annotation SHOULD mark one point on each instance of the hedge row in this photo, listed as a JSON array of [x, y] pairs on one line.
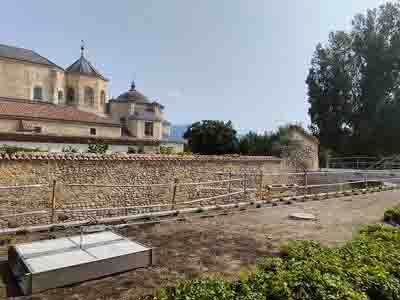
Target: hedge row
[[367, 267]]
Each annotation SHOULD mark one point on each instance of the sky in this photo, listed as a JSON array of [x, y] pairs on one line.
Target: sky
[[239, 60]]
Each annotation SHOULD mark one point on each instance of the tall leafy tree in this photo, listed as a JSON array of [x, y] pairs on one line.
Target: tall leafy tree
[[255, 144], [354, 85], [266, 143], [212, 137]]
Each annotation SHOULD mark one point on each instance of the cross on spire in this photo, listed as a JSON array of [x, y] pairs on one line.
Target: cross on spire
[[82, 47], [133, 85]]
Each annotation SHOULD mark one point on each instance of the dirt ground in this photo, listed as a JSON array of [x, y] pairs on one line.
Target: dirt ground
[[223, 245]]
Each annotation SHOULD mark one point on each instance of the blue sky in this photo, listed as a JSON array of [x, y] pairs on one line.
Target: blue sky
[[239, 60]]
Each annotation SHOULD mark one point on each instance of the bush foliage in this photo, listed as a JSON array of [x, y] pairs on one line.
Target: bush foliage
[[367, 267], [15, 149], [97, 147], [392, 215]]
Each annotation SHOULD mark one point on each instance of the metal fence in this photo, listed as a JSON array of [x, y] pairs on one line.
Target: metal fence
[[364, 163]]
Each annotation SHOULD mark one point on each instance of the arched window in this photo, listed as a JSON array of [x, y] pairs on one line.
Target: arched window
[[70, 95], [89, 96], [60, 96], [102, 98], [37, 93]]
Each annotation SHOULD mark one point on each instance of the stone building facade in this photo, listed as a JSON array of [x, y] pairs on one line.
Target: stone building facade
[[40, 99]]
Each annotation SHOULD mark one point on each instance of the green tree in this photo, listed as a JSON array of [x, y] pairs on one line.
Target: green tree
[[265, 144], [212, 137], [255, 144], [354, 85]]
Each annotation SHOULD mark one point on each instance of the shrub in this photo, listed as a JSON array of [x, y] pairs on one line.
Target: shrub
[[166, 150], [15, 149], [367, 267], [97, 147], [69, 149], [198, 289], [132, 150], [392, 215]]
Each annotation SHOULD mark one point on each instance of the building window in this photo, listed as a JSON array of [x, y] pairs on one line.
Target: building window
[[89, 96], [37, 93], [102, 98], [149, 109], [148, 128], [70, 95], [92, 131], [60, 96], [122, 121]]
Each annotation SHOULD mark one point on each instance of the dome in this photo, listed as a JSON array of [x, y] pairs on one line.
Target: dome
[[133, 95]]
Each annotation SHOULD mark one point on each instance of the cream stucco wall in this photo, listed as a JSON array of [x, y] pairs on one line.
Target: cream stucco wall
[[157, 130], [121, 109], [78, 83], [18, 79], [136, 127], [133, 127], [63, 128]]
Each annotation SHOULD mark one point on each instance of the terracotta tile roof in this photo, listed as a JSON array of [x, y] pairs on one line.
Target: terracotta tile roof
[[42, 110], [131, 157]]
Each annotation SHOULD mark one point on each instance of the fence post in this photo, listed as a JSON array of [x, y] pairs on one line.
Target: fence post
[[261, 185], [53, 202], [306, 182], [245, 186], [230, 186], [174, 187]]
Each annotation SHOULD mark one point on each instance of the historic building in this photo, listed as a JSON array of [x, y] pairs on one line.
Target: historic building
[[48, 107]]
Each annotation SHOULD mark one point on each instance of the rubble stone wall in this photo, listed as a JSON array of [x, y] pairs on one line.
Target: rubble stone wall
[[142, 170]]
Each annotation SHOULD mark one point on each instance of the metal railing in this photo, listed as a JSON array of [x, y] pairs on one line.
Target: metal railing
[[364, 163]]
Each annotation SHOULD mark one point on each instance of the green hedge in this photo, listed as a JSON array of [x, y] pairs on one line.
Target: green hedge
[[367, 267], [392, 215]]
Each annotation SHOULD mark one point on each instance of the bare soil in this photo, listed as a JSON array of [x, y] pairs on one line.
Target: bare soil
[[225, 245]]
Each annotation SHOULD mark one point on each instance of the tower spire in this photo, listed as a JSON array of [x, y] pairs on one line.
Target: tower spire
[[82, 47]]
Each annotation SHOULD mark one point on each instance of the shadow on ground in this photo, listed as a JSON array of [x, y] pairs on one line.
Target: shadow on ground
[[10, 285]]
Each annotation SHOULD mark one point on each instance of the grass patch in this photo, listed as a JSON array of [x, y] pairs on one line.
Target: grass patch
[[367, 267]]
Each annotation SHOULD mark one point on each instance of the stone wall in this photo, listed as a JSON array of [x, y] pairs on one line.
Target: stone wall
[[120, 170], [296, 133]]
